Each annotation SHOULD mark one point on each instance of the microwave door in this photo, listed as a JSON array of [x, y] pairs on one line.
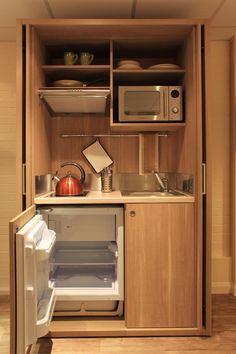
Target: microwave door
[[147, 104], [35, 295]]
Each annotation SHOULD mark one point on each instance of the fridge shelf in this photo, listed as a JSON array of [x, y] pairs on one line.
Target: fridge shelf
[[85, 277], [84, 257]]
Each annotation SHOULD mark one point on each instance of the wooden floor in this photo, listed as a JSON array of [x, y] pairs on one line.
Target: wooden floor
[[223, 340]]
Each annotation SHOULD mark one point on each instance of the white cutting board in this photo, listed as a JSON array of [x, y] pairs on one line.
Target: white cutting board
[[97, 156]]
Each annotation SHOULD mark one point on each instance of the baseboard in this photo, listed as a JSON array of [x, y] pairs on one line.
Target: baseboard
[[221, 288], [4, 291], [221, 275], [233, 289]]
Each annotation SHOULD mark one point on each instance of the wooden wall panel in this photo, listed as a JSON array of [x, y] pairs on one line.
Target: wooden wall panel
[[178, 150], [233, 160], [39, 148], [7, 154], [219, 174], [123, 150]]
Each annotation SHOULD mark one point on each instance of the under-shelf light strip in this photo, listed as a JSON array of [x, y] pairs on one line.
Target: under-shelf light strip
[[105, 135]]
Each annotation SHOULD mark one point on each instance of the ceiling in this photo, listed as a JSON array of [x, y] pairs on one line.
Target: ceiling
[[222, 13]]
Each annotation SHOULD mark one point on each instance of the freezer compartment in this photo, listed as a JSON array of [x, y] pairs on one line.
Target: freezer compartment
[[84, 223], [89, 308]]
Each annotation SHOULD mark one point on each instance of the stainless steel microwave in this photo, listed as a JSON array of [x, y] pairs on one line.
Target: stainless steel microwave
[[150, 103]]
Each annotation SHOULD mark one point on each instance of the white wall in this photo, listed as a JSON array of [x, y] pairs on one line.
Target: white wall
[[7, 153]]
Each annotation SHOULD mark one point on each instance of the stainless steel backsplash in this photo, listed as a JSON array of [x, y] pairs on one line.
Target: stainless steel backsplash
[[123, 181]]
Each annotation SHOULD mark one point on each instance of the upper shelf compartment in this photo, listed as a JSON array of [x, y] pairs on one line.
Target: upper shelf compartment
[[147, 62], [76, 87], [96, 73], [147, 52], [100, 49]]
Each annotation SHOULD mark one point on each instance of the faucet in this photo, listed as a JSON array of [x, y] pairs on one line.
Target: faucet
[[163, 181]]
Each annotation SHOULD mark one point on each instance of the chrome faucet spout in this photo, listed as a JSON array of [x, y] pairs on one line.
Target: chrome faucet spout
[[163, 181]]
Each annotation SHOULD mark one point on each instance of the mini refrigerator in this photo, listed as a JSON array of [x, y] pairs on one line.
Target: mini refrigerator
[[69, 262]]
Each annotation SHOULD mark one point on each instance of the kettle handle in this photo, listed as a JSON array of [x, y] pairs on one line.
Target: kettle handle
[[82, 173]]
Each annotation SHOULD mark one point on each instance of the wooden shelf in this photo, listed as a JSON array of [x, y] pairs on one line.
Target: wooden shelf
[[77, 72], [147, 127], [69, 88], [150, 71], [52, 68], [148, 76]]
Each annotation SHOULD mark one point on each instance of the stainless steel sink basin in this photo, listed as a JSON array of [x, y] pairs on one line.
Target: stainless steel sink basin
[[150, 194]]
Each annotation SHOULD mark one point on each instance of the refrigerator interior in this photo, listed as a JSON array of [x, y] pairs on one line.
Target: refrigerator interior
[[86, 265]]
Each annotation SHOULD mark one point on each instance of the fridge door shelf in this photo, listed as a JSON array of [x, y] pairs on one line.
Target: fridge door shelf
[[45, 311], [45, 246]]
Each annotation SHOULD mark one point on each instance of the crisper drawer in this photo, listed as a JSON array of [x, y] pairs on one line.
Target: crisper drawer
[[89, 308]]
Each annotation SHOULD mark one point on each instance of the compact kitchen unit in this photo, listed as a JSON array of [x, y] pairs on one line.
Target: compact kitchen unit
[[160, 284]]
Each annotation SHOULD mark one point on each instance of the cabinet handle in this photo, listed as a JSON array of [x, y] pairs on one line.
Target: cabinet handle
[[132, 213], [24, 179], [203, 178]]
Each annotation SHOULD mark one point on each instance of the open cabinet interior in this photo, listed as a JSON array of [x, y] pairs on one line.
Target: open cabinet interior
[[174, 151]]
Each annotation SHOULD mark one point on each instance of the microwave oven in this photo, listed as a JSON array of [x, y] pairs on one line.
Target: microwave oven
[[150, 103]]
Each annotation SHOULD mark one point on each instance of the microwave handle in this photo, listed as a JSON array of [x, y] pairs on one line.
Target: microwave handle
[[165, 102]]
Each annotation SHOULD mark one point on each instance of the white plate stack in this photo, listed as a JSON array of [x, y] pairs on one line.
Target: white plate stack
[[166, 66], [128, 64]]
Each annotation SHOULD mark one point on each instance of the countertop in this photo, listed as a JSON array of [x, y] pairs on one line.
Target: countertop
[[115, 197]]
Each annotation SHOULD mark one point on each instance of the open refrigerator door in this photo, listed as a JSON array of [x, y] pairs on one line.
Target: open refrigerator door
[[35, 292]]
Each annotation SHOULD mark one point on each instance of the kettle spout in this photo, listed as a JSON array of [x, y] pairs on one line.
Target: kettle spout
[[55, 177]]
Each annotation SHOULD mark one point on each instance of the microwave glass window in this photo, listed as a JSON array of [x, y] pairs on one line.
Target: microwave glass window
[[142, 103]]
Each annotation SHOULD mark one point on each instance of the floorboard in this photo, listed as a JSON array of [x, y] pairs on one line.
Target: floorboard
[[223, 340]]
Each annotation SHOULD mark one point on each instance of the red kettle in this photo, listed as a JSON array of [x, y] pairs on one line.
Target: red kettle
[[70, 185]]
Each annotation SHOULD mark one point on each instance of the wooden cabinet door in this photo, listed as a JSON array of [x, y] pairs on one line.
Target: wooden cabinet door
[[160, 265]]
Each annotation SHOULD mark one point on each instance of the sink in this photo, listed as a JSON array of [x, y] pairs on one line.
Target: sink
[[151, 194]]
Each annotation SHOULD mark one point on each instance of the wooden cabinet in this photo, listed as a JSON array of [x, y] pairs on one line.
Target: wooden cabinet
[[166, 248], [52, 141], [148, 44], [161, 283]]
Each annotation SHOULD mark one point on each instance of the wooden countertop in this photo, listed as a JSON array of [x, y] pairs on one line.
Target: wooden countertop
[[115, 197]]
